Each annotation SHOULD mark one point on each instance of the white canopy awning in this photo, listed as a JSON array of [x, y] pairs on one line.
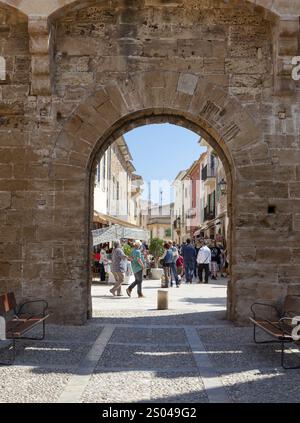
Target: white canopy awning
[[114, 232]]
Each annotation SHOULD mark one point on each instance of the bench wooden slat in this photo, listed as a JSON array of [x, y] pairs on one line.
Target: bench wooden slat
[[17, 327], [272, 328]]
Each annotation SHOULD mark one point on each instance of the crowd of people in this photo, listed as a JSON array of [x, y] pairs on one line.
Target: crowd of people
[[200, 260], [192, 259]]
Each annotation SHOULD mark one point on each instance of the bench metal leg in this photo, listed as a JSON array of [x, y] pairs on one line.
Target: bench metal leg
[[13, 355], [283, 361], [271, 341], [282, 343], [38, 338]]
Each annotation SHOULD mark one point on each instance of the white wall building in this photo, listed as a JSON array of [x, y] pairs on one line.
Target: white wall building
[[117, 189]]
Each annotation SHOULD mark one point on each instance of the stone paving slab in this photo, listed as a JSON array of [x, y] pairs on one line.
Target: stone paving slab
[[145, 386], [227, 334], [263, 386], [167, 336], [160, 317], [228, 357], [249, 372], [87, 333], [44, 352], [28, 385], [121, 386], [146, 357], [178, 387]]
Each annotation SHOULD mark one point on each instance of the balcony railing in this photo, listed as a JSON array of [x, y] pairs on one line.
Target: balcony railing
[[191, 213], [208, 172], [209, 214]]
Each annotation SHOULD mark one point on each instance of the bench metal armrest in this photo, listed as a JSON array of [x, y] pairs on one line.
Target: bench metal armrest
[[44, 302], [264, 305], [282, 320]]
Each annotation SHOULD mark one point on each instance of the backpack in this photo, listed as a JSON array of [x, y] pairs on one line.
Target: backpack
[[169, 257]]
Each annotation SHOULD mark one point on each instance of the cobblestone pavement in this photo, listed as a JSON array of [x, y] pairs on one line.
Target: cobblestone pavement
[[131, 352]]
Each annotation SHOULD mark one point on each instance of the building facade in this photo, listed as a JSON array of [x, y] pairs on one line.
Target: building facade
[[200, 207], [213, 197], [118, 189], [157, 219]]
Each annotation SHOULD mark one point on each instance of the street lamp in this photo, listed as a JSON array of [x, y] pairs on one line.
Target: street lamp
[[223, 186]]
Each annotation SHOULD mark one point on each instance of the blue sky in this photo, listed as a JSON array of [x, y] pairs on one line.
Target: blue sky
[[159, 152]]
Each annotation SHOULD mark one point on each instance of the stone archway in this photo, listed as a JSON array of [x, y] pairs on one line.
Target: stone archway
[[181, 98], [70, 106]]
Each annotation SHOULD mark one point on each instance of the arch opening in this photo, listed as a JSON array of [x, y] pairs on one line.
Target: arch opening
[[143, 118]]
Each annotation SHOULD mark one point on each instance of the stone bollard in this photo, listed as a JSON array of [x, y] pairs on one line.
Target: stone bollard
[[162, 299]]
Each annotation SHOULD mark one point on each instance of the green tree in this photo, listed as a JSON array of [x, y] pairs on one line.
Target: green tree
[[156, 248]]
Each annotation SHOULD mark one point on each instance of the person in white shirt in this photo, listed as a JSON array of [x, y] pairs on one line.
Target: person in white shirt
[[203, 260]]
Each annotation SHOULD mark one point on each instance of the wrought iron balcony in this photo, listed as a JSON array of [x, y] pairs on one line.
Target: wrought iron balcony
[[191, 213], [209, 214], [208, 172]]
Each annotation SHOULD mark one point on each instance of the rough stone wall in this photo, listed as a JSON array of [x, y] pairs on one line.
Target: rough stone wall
[[224, 65], [230, 46], [16, 155]]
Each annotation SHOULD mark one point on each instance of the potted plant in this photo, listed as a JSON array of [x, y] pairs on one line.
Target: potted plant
[[156, 248]]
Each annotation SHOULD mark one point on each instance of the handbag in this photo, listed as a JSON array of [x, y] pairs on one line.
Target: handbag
[[162, 262]]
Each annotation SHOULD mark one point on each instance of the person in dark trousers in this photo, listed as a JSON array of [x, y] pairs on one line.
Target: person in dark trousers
[[203, 260], [137, 264], [189, 257], [197, 248], [215, 259], [166, 260]]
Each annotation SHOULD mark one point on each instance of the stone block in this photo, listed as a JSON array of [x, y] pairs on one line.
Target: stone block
[[273, 255], [247, 66], [194, 47], [187, 83], [77, 78], [163, 2], [64, 171], [78, 46], [257, 172], [288, 157], [89, 115], [40, 64], [160, 48], [5, 200], [5, 171], [109, 113], [294, 189], [5, 269], [296, 219], [213, 66], [117, 98]]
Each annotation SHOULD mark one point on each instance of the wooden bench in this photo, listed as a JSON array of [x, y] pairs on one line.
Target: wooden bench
[[16, 320], [277, 322]]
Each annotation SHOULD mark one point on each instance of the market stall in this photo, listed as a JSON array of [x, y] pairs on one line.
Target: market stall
[[114, 232]]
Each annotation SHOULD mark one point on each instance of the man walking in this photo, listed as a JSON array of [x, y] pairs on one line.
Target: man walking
[[215, 259], [203, 260], [137, 265], [118, 268], [189, 257]]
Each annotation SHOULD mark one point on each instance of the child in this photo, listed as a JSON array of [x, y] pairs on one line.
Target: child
[[180, 266]]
